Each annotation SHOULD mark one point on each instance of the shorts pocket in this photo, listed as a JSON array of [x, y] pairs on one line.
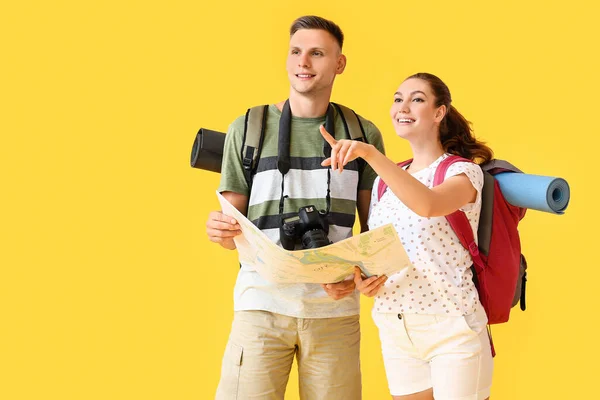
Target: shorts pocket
[[475, 322], [230, 372]]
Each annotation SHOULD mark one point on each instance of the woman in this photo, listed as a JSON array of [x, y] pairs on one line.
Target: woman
[[431, 324]]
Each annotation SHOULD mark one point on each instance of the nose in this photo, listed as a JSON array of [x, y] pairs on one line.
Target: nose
[[403, 108], [304, 61]]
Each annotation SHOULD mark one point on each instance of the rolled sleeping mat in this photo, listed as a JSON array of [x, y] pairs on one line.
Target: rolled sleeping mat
[[536, 192], [207, 150]]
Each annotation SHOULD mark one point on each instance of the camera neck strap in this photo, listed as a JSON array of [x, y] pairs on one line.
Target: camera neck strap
[[283, 149]]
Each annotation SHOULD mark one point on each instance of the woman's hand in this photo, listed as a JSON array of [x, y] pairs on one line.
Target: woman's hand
[[370, 286], [343, 151]]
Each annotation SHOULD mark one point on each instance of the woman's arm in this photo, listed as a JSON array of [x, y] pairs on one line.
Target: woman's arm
[[444, 199]]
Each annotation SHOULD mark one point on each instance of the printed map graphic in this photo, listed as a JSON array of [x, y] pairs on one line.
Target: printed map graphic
[[376, 252]]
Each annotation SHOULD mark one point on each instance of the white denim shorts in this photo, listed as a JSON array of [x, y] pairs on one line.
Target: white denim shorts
[[451, 354]]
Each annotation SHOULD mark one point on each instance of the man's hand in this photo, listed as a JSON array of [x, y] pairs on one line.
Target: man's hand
[[221, 229], [370, 286], [339, 290]]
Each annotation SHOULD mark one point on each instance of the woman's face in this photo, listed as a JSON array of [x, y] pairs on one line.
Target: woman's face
[[414, 112]]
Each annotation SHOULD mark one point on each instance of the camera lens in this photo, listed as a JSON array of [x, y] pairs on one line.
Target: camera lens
[[314, 238]]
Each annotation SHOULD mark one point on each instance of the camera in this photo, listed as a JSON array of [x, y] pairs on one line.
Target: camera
[[309, 226]]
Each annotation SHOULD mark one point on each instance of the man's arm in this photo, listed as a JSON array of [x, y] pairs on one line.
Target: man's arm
[[237, 200], [221, 228], [363, 201]]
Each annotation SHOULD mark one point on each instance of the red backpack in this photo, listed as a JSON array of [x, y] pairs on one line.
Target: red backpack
[[499, 267]]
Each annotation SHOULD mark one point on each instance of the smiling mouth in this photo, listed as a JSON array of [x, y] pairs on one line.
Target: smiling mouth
[[305, 76], [405, 120]]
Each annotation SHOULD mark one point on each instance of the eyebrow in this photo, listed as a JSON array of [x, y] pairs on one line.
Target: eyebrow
[[411, 93], [309, 49]]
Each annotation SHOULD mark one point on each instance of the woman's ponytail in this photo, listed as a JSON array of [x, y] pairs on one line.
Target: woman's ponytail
[[457, 138]]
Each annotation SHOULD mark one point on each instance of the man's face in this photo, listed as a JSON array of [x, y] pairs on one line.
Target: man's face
[[313, 61]]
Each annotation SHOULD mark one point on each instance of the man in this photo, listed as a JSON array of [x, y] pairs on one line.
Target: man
[[319, 324]]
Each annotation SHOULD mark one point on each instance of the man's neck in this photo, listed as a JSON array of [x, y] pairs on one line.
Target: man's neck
[[306, 106]]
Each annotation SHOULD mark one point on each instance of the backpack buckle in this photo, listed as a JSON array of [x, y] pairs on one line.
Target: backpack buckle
[[247, 163], [473, 249], [248, 158]]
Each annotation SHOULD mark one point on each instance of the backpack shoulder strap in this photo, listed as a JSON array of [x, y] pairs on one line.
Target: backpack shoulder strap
[[495, 166], [382, 187], [351, 122], [458, 220], [442, 168], [254, 133]]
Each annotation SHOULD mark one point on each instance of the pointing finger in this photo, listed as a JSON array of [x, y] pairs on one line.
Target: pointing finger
[[328, 138]]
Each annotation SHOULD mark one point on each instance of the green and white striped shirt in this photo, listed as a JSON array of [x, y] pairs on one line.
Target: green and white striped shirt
[[304, 184]]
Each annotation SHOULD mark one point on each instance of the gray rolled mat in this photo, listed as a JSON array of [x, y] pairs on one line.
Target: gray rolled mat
[[542, 193]]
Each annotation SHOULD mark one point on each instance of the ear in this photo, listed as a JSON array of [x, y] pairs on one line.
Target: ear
[[440, 113], [341, 64]]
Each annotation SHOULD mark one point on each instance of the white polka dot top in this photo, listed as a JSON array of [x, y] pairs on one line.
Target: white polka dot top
[[440, 280]]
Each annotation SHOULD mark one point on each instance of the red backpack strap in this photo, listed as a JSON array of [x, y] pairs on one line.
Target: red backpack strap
[[458, 220], [383, 186], [442, 168]]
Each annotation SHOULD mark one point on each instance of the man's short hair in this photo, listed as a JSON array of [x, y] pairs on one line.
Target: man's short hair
[[314, 22]]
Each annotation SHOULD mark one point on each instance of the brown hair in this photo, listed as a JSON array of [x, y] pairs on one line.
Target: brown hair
[[314, 22], [456, 134]]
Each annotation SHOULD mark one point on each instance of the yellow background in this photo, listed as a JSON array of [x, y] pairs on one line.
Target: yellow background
[[109, 288]]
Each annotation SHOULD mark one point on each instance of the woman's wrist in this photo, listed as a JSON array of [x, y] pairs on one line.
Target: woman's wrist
[[370, 152]]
